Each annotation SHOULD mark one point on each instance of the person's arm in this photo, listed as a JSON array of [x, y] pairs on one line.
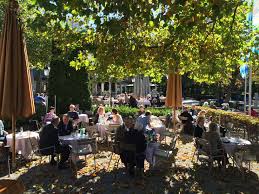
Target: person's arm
[[45, 118]]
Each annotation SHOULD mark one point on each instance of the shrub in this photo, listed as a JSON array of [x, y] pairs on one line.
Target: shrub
[[69, 86], [250, 124], [126, 111]]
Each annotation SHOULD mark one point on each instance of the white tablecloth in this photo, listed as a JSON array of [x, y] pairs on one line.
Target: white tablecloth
[[24, 142], [72, 140], [157, 125], [83, 118], [230, 144], [144, 102]]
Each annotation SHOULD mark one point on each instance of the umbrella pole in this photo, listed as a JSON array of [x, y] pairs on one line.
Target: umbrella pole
[[13, 132], [174, 119]]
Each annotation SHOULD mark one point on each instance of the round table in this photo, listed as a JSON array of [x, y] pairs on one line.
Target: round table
[[71, 139], [24, 142], [231, 143]]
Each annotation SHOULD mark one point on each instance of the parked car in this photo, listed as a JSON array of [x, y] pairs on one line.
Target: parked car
[[190, 102]]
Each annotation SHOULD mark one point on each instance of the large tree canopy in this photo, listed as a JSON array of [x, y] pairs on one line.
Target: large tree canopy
[[208, 39]]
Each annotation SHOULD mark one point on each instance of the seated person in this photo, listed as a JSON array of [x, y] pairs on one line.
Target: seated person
[[186, 119], [216, 147], [65, 126], [100, 115], [141, 110], [116, 117], [48, 117], [199, 129], [202, 113], [72, 112], [49, 143], [130, 158], [3, 133], [77, 109], [144, 119], [193, 111]]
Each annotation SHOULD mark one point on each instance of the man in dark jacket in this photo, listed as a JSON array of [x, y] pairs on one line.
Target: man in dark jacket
[[49, 143], [186, 119], [65, 127], [130, 158]]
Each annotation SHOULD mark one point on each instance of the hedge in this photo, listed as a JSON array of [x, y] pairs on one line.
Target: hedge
[[241, 121], [126, 111], [250, 124]]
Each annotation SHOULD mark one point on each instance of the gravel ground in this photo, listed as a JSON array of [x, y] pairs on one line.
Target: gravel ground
[[186, 176]]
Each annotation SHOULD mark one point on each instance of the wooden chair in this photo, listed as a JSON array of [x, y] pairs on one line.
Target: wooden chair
[[83, 147]]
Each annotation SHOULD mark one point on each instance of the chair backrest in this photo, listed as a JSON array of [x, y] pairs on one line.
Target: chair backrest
[[85, 145]]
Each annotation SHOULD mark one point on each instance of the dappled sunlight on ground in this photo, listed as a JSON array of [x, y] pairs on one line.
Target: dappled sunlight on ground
[[186, 177]]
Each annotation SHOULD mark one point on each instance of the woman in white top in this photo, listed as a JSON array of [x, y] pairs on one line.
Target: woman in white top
[[116, 118]]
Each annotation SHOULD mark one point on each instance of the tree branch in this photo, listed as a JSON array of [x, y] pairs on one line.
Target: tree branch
[[233, 20]]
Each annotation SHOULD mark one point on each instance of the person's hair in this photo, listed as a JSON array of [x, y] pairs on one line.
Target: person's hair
[[213, 127], [101, 108], [141, 106], [147, 113], [66, 115], [114, 111], [51, 108], [55, 119], [199, 119], [202, 113], [71, 105]]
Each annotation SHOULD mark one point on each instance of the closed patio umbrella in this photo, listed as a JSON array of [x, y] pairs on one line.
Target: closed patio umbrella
[[16, 99], [146, 86], [174, 92], [141, 86]]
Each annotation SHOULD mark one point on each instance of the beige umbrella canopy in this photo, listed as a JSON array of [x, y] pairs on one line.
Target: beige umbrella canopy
[[174, 92], [16, 99]]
